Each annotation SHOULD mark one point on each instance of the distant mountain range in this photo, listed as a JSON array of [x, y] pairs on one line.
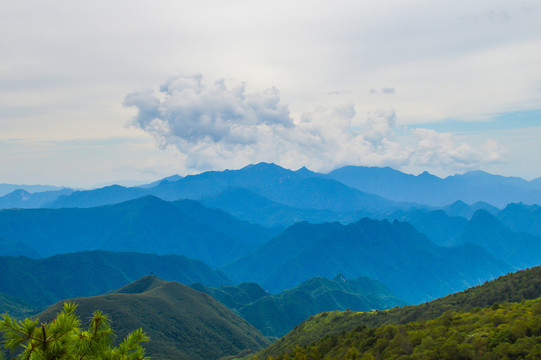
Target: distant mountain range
[[43, 282], [471, 187], [147, 224], [7, 188], [344, 194], [520, 247], [458, 253], [276, 315], [182, 323], [406, 261], [21, 198]]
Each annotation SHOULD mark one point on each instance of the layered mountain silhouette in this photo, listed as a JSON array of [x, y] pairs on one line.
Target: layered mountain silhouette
[[350, 188], [147, 224], [276, 315], [521, 218], [249, 206], [182, 323], [403, 259], [7, 188], [299, 189], [43, 282], [471, 187], [21, 198], [518, 249]]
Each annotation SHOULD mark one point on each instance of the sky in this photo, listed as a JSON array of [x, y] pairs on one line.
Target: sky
[[99, 92]]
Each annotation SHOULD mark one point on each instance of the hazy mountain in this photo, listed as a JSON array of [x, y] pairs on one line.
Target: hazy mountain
[[249, 206], [16, 248], [351, 188], [25, 200], [298, 189], [460, 208], [406, 261], [182, 323], [45, 281], [97, 197], [522, 218], [262, 263], [167, 179], [437, 225], [518, 249], [276, 315], [425, 188], [7, 188], [509, 288], [225, 223], [146, 224]]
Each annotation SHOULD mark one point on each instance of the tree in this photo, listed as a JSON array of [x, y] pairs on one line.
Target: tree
[[63, 338]]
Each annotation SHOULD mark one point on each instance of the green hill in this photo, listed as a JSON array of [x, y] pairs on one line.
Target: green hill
[[15, 307], [43, 282], [276, 315], [182, 323], [509, 331], [513, 287]]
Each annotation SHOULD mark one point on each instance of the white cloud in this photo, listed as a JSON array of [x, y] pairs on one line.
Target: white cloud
[[221, 125], [65, 67]]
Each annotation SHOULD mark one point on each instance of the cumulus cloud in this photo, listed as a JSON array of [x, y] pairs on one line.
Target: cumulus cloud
[[222, 125], [442, 150]]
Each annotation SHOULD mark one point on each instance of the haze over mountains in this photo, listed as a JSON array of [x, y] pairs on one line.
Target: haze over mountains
[[291, 187], [266, 241]]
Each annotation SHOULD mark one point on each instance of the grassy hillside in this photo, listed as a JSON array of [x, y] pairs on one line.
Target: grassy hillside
[[182, 323], [513, 287], [43, 282]]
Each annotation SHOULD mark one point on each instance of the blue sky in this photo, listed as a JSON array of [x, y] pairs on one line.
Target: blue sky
[[99, 92]]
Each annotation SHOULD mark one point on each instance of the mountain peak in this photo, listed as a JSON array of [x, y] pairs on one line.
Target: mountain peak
[[305, 172], [142, 285], [485, 219], [263, 166]]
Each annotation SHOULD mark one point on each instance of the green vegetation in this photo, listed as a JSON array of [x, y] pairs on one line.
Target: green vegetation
[[47, 281], [182, 323], [62, 338], [275, 315], [16, 307], [509, 331], [514, 287]]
